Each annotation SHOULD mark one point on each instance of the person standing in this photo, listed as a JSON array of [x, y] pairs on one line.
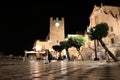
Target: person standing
[[48, 57]]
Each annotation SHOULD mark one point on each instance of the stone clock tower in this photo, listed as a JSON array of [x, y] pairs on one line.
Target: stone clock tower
[[57, 32]]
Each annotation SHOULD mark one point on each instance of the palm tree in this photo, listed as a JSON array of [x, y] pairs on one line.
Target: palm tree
[[77, 42], [65, 45], [97, 33]]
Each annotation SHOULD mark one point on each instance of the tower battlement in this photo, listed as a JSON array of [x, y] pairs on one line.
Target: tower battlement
[[57, 33]]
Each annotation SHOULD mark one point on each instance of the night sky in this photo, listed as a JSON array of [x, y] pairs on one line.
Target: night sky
[[21, 23]]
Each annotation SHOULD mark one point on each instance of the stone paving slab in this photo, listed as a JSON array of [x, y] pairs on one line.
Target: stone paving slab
[[58, 70]]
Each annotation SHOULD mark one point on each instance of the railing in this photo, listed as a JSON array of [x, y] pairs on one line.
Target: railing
[[33, 52]]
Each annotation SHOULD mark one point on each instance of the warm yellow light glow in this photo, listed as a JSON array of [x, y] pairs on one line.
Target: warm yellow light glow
[[38, 48]]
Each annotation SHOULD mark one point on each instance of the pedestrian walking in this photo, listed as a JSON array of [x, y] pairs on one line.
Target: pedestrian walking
[[48, 57]]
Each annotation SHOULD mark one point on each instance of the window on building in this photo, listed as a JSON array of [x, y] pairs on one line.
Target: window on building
[[112, 41], [96, 19], [57, 41], [111, 28]]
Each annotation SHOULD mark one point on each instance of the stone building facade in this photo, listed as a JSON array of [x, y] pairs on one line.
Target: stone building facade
[[57, 31], [110, 15], [55, 35]]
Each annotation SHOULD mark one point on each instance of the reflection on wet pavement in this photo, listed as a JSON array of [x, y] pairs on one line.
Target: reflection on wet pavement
[[58, 70]]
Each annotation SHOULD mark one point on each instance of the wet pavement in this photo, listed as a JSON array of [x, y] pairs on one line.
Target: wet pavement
[[14, 69]]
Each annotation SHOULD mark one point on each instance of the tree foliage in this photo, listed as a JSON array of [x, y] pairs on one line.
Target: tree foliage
[[77, 42], [57, 48], [64, 44], [99, 31]]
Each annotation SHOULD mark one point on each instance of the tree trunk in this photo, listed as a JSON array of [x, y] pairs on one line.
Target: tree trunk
[[109, 52], [96, 58], [80, 54], [67, 53], [60, 57]]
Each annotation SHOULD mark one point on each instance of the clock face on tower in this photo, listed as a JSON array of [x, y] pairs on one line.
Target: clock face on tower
[[57, 24]]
